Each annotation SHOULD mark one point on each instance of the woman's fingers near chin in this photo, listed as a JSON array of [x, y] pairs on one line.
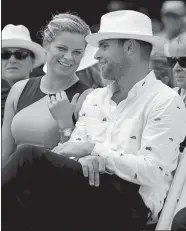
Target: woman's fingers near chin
[[58, 96], [75, 99]]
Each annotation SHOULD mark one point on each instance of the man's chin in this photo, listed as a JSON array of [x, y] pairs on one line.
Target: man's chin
[[107, 77]]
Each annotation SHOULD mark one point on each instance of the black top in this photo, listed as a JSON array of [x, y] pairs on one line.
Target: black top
[[32, 92]]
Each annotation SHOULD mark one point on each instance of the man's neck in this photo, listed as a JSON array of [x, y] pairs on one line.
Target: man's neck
[[127, 82]]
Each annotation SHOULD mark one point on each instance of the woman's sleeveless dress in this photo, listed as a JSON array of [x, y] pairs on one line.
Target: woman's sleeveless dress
[[33, 124]]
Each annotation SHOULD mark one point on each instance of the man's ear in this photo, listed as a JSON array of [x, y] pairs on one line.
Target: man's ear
[[130, 46]]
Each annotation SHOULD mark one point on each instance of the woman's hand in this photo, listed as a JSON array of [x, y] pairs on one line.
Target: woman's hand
[[61, 109]]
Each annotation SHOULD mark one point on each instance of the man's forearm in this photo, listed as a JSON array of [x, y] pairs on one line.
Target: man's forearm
[[70, 149]]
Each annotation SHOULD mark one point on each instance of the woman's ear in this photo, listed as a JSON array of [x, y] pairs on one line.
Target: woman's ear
[[46, 46]]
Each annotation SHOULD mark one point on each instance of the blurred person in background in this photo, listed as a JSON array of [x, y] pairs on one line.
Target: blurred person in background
[[156, 25], [19, 54], [118, 5], [172, 16], [27, 118], [162, 69], [177, 61]]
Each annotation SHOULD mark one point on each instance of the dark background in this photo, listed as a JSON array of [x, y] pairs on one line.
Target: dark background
[[35, 14]]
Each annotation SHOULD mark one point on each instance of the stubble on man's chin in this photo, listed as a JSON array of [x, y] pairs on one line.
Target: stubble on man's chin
[[107, 76]]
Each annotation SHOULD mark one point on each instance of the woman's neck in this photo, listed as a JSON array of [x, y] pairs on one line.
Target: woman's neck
[[52, 85]]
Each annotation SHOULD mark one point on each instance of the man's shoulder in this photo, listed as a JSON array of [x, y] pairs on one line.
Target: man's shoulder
[[98, 92], [163, 93], [162, 88]]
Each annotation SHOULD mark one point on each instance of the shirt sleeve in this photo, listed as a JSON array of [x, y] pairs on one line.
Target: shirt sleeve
[[165, 129], [79, 133]]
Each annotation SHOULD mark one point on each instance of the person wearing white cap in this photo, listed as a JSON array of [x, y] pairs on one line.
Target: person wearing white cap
[[125, 143], [19, 53], [173, 14]]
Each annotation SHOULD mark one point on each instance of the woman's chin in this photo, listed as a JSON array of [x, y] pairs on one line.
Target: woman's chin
[[64, 72]]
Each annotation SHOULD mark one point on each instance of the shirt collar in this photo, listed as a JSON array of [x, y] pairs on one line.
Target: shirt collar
[[137, 88]]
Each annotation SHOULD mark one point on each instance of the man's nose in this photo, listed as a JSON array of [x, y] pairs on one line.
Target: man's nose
[[12, 58], [98, 54]]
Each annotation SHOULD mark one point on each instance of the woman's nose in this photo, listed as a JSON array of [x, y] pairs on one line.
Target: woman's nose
[[68, 56]]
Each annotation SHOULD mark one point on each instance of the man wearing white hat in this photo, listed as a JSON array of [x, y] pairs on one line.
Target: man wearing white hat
[[126, 141], [19, 53]]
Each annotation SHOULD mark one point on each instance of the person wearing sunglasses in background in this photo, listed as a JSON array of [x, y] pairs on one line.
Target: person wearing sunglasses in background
[[19, 53], [172, 16], [177, 60]]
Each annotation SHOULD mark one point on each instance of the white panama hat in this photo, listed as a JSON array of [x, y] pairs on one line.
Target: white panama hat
[[87, 60], [19, 36], [125, 24]]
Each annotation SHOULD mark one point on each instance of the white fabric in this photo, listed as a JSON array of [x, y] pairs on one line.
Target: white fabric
[[19, 36], [176, 193], [139, 137], [182, 95], [126, 24]]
